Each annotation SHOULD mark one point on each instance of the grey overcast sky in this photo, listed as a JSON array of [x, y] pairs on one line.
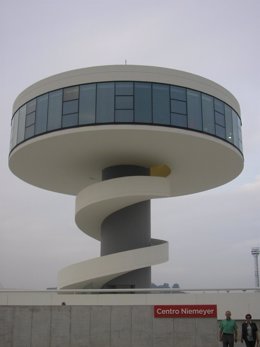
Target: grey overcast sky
[[210, 233]]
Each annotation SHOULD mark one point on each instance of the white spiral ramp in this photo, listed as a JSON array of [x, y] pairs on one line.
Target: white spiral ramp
[[93, 205]]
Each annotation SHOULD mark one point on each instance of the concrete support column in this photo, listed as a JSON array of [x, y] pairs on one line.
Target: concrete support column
[[127, 229]]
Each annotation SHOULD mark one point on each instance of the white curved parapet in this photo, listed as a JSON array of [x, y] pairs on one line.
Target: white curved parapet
[[94, 273], [67, 129], [96, 202]]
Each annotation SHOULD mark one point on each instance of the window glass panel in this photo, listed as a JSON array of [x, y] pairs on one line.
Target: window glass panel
[[179, 120], [235, 128], [194, 110], [239, 125], [29, 132], [220, 119], [143, 102], [31, 106], [14, 130], [70, 107], [55, 109], [161, 104], [208, 114], [178, 93], [30, 119], [229, 126], [219, 106], [21, 124], [41, 114], [105, 102], [220, 131], [70, 120], [124, 116], [124, 102], [70, 93], [11, 145], [178, 106], [87, 104], [124, 88]]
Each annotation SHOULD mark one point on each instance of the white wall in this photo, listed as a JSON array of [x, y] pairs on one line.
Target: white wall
[[239, 302]]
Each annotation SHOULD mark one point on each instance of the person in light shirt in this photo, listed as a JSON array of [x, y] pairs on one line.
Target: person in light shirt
[[228, 331], [249, 332]]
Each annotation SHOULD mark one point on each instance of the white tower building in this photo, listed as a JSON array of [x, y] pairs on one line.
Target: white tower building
[[116, 137]]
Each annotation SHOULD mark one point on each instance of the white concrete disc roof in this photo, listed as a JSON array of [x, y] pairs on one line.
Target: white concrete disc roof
[[67, 161]]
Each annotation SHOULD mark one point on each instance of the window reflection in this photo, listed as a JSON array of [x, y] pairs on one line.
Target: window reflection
[[105, 102], [70, 107], [124, 116], [31, 106], [70, 120], [30, 119], [208, 114], [14, 130], [124, 88], [178, 93], [126, 102], [87, 104], [229, 126], [194, 110], [71, 93], [41, 114], [143, 102], [54, 110], [219, 106], [220, 119], [161, 104], [21, 124], [220, 131], [236, 127], [29, 132], [179, 120], [178, 106]]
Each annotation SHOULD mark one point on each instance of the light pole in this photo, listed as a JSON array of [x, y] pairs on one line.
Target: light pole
[[255, 252]]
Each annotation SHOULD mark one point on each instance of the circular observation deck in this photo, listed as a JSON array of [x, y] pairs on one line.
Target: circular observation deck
[[68, 128]]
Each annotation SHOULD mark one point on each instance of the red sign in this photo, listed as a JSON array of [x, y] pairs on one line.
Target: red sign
[[185, 311]]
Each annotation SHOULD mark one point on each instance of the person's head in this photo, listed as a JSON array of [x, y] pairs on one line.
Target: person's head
[[228, 314], [248, 317]]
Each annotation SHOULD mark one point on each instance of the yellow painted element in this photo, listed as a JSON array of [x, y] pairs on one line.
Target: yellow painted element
[[160, 170]]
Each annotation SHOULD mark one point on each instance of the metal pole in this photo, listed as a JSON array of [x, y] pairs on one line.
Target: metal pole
[[255, 252]]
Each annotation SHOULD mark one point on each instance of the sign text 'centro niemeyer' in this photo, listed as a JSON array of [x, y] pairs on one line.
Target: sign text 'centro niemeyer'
[[185, 311]]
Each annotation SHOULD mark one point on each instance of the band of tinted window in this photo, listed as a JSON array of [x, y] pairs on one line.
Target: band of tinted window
[[126, 102]]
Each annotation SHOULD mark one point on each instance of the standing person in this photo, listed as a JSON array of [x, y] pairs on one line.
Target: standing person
[[228, 331], [249, 332]]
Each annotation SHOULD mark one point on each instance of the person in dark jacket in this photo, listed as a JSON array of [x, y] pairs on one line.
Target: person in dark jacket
[[249, 332]]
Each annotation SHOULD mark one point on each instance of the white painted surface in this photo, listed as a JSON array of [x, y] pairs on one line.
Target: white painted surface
[[197, 161], [239, 302], [96, 272], [96, 202], [126, 73]]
